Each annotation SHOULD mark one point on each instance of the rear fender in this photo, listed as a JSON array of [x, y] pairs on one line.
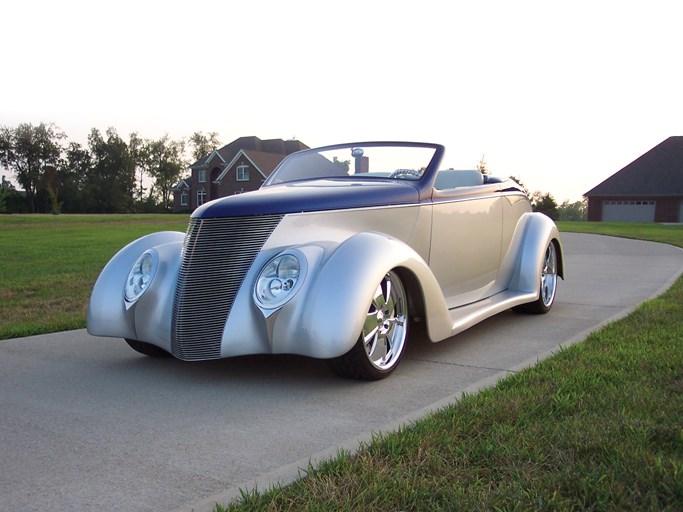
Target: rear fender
[[537, 231]]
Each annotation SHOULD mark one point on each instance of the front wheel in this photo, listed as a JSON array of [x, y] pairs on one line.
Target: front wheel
[[382, 340], [548, 284]]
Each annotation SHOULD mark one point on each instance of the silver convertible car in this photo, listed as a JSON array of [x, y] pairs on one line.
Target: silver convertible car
[[340, 252]]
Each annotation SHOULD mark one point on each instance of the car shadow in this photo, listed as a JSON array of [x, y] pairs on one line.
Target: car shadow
[[277, 369], [284, 369]]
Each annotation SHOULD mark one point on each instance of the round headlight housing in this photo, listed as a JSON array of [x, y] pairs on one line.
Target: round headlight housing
[[279, 280], [141, 275]]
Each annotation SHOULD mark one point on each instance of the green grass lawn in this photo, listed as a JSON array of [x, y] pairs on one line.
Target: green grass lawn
[[665, 233], [48, 265], [598, 426]]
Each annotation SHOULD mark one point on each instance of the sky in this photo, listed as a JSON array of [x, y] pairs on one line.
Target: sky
[[559, 94]]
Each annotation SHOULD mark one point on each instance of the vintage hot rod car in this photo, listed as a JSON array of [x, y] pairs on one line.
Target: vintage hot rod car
[[334, 257]]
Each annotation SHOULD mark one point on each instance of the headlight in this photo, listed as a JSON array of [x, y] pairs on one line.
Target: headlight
[[279, 280], [141, 275]]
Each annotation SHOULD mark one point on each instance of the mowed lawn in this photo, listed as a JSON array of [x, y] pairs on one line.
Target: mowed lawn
[[48, 265], [598, 426], [665, 233]]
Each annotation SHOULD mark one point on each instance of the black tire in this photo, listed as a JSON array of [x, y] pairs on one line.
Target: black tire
[[382, 342], [547, 285], [147, 348]]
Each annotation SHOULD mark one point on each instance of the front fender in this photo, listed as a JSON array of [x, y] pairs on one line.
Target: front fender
[[329, 321], [107, 314]]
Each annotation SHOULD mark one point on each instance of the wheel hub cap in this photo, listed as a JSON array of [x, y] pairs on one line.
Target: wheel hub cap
[[384, 330]]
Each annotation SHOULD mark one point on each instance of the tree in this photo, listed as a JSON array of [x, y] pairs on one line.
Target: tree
[[481, 166], [111, 176], [53, 185], [544, 203], [202, 144], [11, 201], [344, 164], [6, 188], [28, 151], [576, 211], [519, 182], [75, 173], [164, 162], [136, 147]]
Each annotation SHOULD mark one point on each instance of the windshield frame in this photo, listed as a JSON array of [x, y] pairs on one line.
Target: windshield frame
[[423, 183]]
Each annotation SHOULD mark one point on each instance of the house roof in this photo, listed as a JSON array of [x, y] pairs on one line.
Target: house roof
[[214, 155], [264, 154], [228, 152], [659, 172], [182, 184], [264, 162]]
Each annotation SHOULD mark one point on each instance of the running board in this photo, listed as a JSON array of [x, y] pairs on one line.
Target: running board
[[464, 317]]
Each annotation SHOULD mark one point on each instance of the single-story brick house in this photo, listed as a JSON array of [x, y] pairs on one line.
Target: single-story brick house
[[649, 189], [241, 166]]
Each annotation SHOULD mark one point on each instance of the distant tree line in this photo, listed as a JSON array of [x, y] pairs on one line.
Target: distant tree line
[[108, 175], [111, 175], [545, 202]]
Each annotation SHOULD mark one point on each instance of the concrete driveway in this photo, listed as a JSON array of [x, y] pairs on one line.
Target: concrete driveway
[[88, 424]]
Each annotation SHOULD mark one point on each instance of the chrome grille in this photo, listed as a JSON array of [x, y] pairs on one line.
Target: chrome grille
[[217, 254]]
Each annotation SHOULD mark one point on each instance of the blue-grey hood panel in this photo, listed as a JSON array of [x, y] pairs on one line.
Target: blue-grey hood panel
[[310, 196]]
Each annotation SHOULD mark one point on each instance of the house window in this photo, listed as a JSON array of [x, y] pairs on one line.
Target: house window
[[242, 172], [202, 176], [201, 197], [183, 198]]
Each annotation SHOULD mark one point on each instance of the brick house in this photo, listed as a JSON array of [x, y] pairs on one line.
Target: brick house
[[649, 189], [241, 166]]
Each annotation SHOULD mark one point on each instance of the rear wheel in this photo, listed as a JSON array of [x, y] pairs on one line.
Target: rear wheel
[[548, 284], [382, 341], [147, 348]]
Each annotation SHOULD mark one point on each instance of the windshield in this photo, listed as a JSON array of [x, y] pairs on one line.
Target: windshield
[[401, 161]]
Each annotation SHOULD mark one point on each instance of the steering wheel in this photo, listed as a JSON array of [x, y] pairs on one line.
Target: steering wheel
[[406, 173]]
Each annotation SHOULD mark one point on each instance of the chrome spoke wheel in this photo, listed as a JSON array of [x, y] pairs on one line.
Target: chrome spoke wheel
[[547, 287], [549, 276], [384, 329], [382, 340]]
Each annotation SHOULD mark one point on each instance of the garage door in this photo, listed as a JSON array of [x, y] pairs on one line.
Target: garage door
[[628, 211]]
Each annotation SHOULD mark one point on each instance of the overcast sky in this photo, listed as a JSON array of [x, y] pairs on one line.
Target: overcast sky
[[559, 94]]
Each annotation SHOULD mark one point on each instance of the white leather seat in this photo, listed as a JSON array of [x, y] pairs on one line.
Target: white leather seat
[[453, 179]]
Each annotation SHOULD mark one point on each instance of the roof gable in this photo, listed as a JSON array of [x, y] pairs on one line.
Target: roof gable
[[659, 172], [182, 184], [214, 155], [263, 162], [240, 153]]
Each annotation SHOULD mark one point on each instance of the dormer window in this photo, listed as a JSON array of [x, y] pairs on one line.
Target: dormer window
[[242, 173], [201, 176]]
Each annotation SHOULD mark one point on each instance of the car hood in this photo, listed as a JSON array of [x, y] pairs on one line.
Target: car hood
[[310, 196]]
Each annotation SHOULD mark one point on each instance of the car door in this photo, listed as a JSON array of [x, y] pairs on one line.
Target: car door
[[467, 225]]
